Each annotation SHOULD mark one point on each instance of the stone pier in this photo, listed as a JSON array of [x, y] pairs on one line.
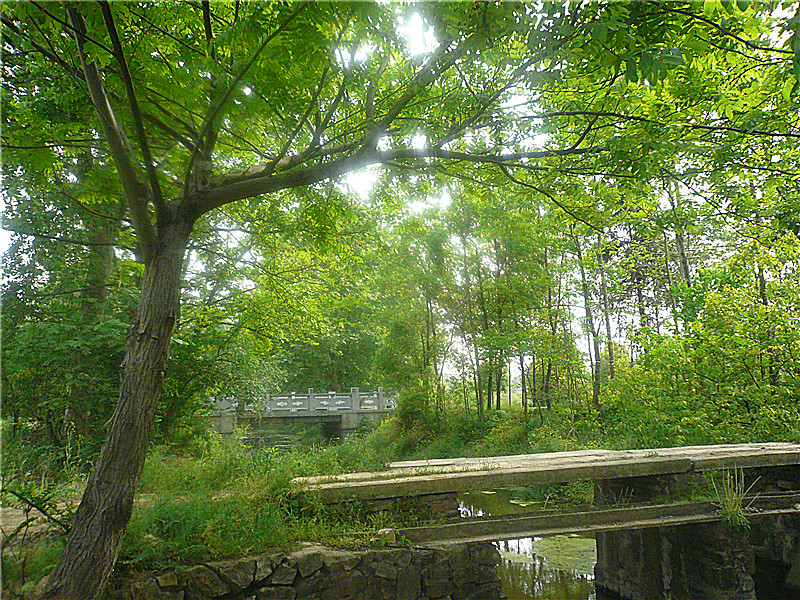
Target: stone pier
[[708, 560], [686, 562]]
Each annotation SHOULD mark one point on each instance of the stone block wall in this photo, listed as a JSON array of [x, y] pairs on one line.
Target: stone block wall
[[454, 572], [686, 562]]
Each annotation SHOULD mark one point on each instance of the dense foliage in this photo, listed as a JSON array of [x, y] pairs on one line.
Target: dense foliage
[[587, 211]]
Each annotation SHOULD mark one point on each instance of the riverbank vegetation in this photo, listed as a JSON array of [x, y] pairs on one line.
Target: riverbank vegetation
[[540, 226]]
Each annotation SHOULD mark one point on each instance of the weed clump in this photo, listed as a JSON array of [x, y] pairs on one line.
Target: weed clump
[[731, 495]]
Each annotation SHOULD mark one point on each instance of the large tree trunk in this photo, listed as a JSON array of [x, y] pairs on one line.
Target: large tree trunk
[[105, 509]]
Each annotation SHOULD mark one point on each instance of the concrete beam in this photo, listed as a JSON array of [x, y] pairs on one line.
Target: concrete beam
[[338, 490], [519, 526]]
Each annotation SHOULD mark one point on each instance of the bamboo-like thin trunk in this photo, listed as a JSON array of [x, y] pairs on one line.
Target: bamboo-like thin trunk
[[594, 343]]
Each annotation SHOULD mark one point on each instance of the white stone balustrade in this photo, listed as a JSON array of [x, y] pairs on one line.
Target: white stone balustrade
[[309, 403]]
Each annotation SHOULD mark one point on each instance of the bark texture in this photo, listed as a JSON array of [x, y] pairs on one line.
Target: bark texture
[[105, 509]]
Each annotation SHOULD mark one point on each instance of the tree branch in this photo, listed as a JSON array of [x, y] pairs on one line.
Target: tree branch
[[75, 291], [74, 29], [60, 239], [44, 51], [135, 192], [77, 74], [214, 112], [552, 199], [759, 132], [167, 33], [162, 215], [237, 186], [207, 28], [41, 509], [719, 28], [303, 120], [421, 79]]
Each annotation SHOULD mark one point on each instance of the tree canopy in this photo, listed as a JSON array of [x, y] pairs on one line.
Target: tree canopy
[[611, 155]]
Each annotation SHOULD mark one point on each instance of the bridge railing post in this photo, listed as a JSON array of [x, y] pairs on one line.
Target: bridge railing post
[[381, 399], [355, 399]]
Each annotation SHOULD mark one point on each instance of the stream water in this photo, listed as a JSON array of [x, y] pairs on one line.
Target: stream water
[[558, 567], [561, 567]]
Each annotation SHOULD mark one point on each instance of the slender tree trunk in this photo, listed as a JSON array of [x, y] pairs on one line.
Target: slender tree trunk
[[546, 388], [472, 325], [489, 390], [684, 261], [105, 509], [607, 315], [670, 284], [93, 296], [509, 385], [680, 242], [499, 383], [553, 331], [478, 383], [774, 372], [523, 391], [595, 344]]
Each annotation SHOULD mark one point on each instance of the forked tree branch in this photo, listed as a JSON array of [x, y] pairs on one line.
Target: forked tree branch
[[135, 191], [44, 51], [236, 186], [214, 112], [155, 188]]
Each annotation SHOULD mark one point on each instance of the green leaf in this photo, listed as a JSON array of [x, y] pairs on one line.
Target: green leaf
[[673, 57], [788, 87], [630, 70]]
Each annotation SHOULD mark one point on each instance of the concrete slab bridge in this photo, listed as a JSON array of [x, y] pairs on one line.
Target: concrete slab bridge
[[651, 542]]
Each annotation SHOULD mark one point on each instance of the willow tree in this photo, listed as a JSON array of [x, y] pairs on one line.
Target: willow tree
[[202, 105]]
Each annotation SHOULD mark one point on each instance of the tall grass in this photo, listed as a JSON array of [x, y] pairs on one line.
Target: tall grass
[[226, 499]]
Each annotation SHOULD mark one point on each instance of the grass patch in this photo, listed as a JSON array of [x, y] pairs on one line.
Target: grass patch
[[730, 496], [197, 528], [227, 499], [31, 562]]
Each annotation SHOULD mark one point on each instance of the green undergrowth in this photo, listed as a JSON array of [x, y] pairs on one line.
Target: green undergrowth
[[219, 499], [226, 499], [31, 562], [462, 434]]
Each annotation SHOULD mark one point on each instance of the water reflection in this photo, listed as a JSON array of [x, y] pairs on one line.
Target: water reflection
[[530, 569], [559, 567]]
